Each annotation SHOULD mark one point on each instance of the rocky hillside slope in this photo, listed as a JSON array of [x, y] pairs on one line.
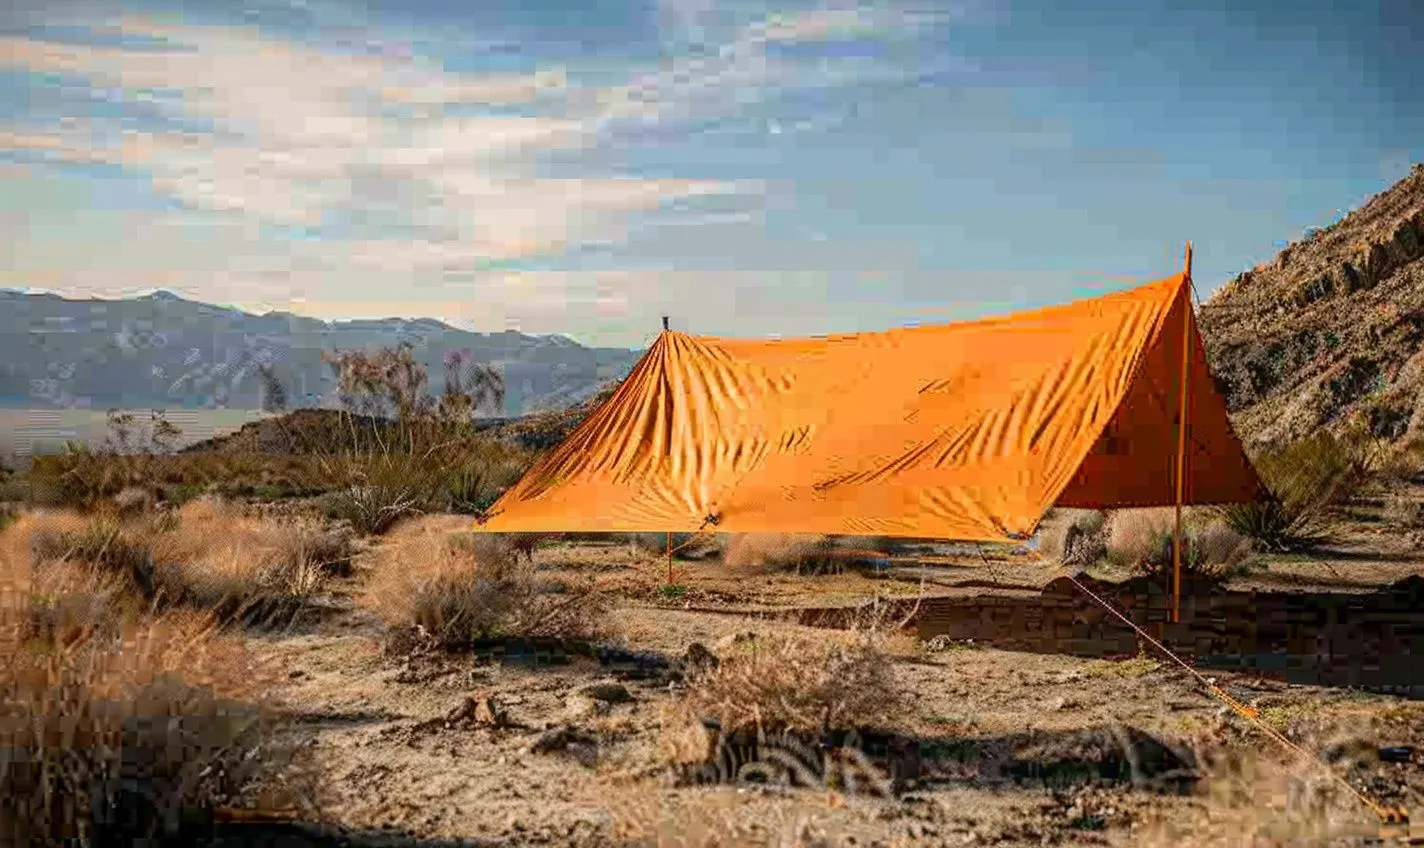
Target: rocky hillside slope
[[1332, 327]]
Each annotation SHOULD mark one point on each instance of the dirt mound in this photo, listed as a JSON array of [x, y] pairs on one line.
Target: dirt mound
[[309, 431], [325, 430], [1331, 327]]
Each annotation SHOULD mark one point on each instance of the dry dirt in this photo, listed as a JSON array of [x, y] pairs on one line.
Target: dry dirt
[[986, 719]]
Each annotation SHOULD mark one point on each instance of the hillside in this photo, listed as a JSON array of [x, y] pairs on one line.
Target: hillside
[[303, 430], [161, 350], [1331, 327]]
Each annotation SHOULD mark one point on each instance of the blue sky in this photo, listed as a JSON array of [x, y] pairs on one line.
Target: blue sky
[[749, 170]]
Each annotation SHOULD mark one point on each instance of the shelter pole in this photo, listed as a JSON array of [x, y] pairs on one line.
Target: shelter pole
[[1181, 440], [669, 556]]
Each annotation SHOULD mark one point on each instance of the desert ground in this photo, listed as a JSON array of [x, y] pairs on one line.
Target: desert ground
[[281, 637], [408, 737]]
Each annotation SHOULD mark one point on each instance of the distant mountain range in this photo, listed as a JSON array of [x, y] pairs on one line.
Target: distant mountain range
[[163, 351]]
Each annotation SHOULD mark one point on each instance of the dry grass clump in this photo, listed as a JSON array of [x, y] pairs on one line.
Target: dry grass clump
[[783, 683], [803, 553], [685, 546], [1303, 479], [119, 738], [645, 815], [457, 588], [207, 555], [1404, 512], [1074, 536], [1245, 795], [1141, 539]]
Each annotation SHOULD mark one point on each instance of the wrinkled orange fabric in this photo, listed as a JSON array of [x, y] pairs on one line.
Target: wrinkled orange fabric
[[967, 431]]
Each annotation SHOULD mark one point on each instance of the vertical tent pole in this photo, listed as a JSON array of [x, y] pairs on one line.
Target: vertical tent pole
[[1181, 438], [669, 535]]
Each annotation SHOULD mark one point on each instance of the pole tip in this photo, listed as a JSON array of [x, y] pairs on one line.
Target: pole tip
[[665, 324]]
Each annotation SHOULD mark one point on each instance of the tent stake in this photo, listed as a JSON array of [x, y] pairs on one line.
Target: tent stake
[[1181, 439]]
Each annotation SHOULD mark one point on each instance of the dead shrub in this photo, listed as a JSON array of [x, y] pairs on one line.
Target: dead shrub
[[1074, 536], [121, 740], [781, 683], [1135, 536], [802, 553], [1277, 803], [1404, 512], [207, 555], [1220, 544], [458, 588], [685, 546], [1142, 539]]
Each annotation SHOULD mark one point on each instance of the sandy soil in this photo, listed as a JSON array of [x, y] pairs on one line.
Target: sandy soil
[[985, 718]]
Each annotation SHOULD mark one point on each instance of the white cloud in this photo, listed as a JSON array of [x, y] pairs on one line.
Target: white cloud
[[382, 149], [741, 72]]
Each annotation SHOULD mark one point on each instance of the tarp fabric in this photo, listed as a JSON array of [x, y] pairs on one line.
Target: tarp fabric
[[967, 431]]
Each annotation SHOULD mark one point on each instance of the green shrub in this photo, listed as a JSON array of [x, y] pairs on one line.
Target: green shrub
[[1303, 480]]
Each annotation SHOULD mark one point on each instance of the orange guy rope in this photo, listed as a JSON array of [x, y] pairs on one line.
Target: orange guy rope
[[1250, 714], [1181, 444]]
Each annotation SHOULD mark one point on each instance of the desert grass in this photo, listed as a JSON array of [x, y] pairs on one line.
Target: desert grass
[[1250, 797], [455, 588], [782, 683], [1074, 535], [1404, 512], [208, 555], [801, 553], [1304, 479], [1142, 539], [120, 730], [685, 546]]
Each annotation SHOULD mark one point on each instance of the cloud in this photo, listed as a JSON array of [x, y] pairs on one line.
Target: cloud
[[390, 166], [741, 72], [317, 138]]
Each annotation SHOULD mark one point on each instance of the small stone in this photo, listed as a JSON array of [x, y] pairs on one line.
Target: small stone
[[699, 658], [613, 693]]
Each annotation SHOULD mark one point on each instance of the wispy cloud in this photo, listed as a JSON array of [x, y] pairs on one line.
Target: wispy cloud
[[396, 163], [742, 71]]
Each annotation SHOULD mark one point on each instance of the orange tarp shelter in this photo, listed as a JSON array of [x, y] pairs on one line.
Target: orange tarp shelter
[[967, 431]]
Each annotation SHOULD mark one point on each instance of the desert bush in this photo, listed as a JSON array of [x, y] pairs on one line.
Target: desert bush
[[118, 741], [252, 569], [803, 553], [207, 555], [1404, 511], [373, 494], [685, 546], [1074, 536], [458, 588], [1223, 546], [1404, 462], [1142, 539], [784, 683], [472, 484], [1303, 480], [1136, 536]]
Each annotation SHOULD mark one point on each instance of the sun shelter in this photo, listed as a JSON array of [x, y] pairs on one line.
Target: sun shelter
[[968, 431]]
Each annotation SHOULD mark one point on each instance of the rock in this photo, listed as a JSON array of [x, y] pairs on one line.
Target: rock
[[133, 499], [482, 712], [613, 693], [698, 658], [562, 738]]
